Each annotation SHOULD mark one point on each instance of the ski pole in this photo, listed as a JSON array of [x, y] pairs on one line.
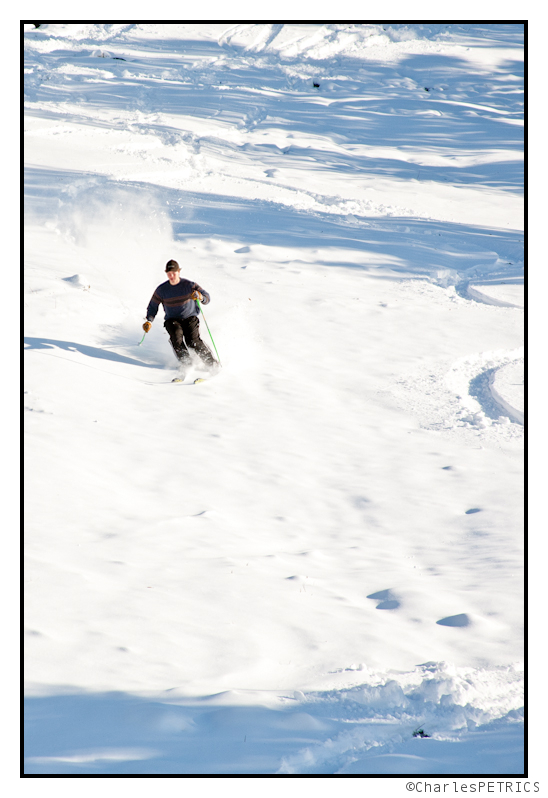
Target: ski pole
[[209, 331], [142, 339]]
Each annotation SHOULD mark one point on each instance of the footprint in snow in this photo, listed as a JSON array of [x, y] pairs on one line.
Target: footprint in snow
[[455, 620], [386, 598]]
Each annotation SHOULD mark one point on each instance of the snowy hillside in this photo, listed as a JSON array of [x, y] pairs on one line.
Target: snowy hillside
[[294, 566]]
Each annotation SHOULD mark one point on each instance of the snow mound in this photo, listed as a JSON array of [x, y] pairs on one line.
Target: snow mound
[[510, 294], [508, 390], [78, 281]]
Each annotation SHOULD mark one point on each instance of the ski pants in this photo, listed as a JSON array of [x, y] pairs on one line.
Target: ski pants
[[185, 333]]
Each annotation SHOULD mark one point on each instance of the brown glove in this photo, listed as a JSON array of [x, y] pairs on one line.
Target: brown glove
[[147, 325], [197, 295]]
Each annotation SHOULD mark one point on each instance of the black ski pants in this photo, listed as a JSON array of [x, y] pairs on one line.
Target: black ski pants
[[185, 333]]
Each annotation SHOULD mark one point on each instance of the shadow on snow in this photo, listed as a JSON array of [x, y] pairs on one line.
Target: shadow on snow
[[117, 733], [89, 351], [394, 246], [417, 106]]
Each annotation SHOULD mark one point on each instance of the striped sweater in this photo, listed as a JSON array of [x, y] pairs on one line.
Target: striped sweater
[[176, 299]]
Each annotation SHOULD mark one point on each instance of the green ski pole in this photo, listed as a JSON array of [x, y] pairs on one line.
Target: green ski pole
[[209, 331]]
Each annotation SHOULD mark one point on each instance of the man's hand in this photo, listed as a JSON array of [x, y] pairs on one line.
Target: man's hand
[[197, 295], [146, 326]]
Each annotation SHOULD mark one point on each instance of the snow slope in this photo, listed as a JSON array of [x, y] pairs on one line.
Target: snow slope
[[291, 568]]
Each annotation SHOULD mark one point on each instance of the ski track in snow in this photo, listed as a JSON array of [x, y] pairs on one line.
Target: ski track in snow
[[351, 194]]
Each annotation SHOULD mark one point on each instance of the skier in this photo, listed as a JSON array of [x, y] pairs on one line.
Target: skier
[[178, 296]]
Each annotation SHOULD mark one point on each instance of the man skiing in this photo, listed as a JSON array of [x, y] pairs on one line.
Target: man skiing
[[178, 296]]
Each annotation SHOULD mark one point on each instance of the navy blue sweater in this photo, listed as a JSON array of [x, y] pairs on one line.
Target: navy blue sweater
[[176, 299]]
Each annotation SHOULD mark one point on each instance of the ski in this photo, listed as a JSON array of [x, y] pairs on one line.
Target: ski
[[179, 381], [182, 380], [194, 382]]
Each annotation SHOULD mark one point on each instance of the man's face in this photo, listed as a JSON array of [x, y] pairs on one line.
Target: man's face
[[173, 277]]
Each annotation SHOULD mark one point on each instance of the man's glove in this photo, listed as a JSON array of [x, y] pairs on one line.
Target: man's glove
[[146, 326], [197, 295]]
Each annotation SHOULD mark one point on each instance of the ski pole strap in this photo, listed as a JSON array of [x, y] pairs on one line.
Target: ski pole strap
[[209, 331]]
